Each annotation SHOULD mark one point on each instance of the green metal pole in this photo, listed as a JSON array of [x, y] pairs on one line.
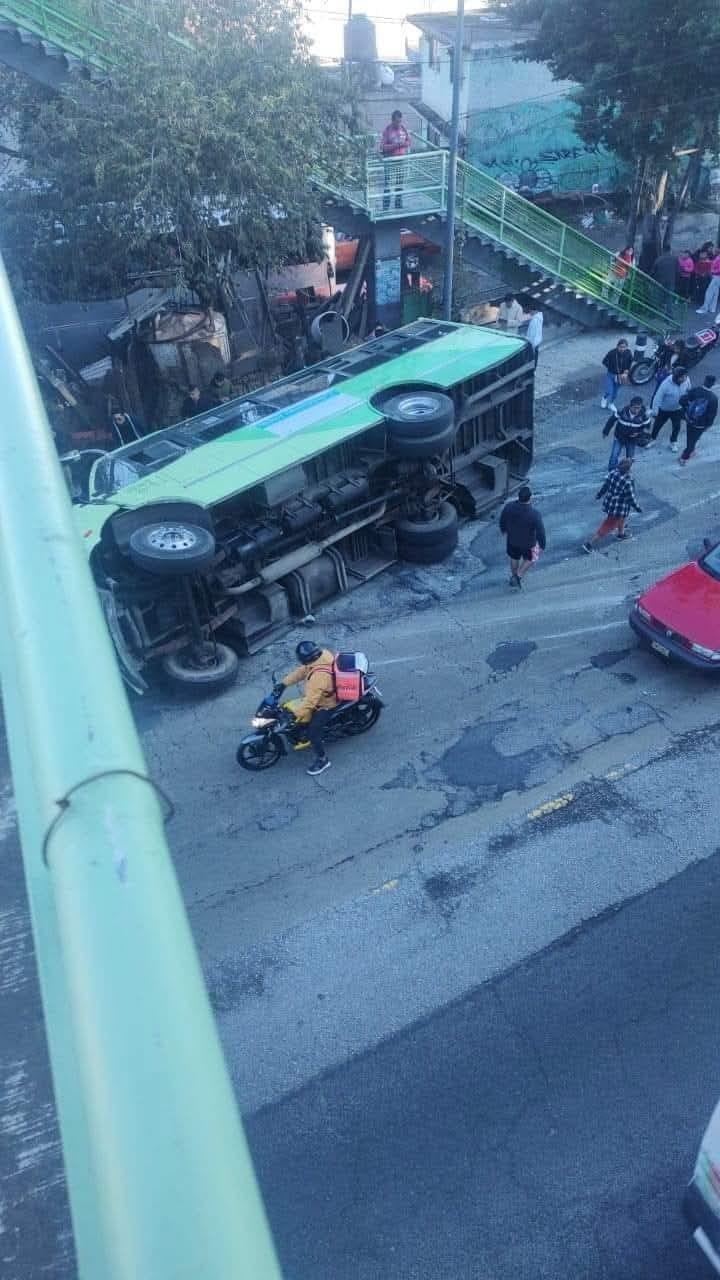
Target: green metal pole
[[160, 1180]]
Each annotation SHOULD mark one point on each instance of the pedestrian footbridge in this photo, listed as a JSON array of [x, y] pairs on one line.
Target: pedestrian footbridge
[[536, 245]]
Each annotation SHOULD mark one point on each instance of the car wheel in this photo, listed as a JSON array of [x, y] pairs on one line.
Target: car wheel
[[171, 548], [201, 668], [428, 541]]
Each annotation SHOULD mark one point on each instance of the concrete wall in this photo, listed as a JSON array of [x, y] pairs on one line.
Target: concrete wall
[[518, 121], [521, 128], [436, 82]]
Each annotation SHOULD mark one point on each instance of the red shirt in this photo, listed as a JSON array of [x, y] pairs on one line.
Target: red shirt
[[395, 140]]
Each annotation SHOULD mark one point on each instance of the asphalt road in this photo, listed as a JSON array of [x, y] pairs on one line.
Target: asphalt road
[[540, 1128], [421, 962]]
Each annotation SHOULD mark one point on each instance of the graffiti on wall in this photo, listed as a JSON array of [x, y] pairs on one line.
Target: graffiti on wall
[[387, 281], [533, 148]]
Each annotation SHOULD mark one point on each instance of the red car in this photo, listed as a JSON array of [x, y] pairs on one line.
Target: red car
[[679, 617]]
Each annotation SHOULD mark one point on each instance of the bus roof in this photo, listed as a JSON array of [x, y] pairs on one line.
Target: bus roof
[[228, 450]]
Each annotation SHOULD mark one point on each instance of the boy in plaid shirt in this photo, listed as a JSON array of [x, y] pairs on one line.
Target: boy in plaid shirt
[[618, 494]]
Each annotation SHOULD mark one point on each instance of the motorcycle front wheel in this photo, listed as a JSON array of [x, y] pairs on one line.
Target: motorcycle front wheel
[[642, 372], [362, 717], [256, 755]]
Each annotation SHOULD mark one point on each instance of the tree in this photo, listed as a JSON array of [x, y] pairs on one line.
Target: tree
[[647, 83], [199, 147]]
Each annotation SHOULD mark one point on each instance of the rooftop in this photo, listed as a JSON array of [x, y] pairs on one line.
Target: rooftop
[[480, 25]]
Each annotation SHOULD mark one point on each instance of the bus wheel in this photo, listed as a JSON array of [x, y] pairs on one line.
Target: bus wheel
[[420, 446], [414, 413], [428, 541], [172, 547], [201, 668]]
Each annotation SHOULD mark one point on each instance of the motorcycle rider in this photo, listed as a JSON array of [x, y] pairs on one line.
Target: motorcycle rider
[[312, 711]]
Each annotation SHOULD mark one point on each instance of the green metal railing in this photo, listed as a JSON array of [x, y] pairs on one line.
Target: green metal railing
[[160, 1179], [90, 30], [417, 184], [66, 26], [491, 209]]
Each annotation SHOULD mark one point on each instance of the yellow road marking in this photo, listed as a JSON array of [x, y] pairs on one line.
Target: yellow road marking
[[387, 886], [550, 806]]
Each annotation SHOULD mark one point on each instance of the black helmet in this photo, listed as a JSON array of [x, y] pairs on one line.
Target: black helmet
[[308, 651]]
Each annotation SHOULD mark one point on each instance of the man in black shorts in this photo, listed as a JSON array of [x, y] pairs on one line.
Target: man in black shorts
[[524, 530]]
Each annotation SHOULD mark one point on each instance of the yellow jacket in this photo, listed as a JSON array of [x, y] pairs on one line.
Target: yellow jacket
[[319, 694]]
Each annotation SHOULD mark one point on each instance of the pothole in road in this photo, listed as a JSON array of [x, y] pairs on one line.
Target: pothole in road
[[509, 655], [475, 763], [609, 658]]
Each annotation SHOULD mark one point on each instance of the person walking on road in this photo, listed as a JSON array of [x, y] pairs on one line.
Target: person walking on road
[[618, 494], [617, 364], [395, 142], [534, 331], [666, 405], [630, 425], [700, 406], [524, 530]]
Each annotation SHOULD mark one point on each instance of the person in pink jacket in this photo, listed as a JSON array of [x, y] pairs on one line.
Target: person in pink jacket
[[712, 293]]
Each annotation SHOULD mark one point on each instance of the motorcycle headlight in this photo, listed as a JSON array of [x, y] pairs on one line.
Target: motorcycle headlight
[[261, 722]]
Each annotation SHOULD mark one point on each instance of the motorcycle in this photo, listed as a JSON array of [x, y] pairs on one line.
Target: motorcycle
[[687, 351], [276, 731]]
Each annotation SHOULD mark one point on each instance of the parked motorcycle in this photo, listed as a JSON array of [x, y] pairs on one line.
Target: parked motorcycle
[[276, 731], [687, 351]]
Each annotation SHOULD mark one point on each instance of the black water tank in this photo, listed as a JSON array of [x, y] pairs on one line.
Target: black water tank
[[360, 40]]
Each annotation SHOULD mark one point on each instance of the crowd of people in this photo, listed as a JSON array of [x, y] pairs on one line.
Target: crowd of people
[[694, 274], [636, 425]]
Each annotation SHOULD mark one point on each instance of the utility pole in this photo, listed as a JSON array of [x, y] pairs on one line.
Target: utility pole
[[452, 170]]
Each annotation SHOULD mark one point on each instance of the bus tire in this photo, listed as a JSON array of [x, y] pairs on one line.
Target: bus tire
[[198, 673], [418, 413], [420, 446], [171, 547], [428, 541]]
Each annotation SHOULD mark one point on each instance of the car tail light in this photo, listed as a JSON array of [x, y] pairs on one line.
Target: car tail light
[[700, 649]]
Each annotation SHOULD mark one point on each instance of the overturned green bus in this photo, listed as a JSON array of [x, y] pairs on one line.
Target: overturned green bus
[[207, 538]]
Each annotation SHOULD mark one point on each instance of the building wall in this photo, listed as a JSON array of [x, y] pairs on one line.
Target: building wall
[[436, 79], [521, 129], [516, 121]]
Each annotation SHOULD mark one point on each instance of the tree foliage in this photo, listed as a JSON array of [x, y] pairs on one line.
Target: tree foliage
[[646, 71], [187, 152]]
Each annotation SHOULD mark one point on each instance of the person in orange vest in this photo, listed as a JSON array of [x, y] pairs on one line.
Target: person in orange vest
[[395, 142]]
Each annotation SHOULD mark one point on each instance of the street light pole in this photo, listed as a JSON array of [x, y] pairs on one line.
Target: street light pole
[[452, 168]]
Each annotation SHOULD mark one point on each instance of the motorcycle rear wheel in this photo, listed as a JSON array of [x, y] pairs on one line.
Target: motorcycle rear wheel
[[642, 372], [258, 755], [363, 717]]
